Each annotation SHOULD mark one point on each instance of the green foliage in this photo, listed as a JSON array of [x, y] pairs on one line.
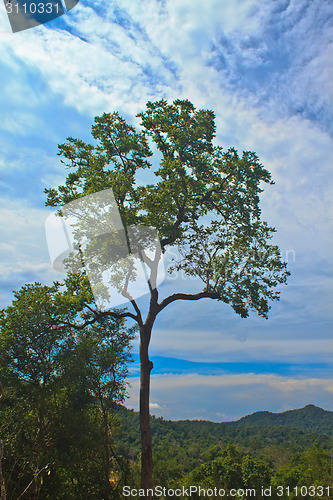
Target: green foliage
[[182, 447], [226, 455], [31, 337], [60, 385], [232, 469], [205, 201], [314, 467]]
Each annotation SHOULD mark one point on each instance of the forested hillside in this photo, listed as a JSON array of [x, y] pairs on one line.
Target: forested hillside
[[262, 450], [280, 449], [309, 418], [290, 432]]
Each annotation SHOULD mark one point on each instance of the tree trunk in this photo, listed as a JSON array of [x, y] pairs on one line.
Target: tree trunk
[[107, 451], [146, 441], [2, 481]]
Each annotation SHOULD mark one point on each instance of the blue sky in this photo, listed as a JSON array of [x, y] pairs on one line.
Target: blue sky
[[265, 68]]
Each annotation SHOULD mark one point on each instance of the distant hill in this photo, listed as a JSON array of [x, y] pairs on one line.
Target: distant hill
[[274, 435], [310, 418], [290, 440]]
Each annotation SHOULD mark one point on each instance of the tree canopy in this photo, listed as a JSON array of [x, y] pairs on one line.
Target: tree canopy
[[205, 200], [59, 387]]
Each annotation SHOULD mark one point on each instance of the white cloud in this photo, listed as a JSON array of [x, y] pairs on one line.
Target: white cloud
[[229, 397], [121, 54], [227, 345], [23, 255], [101, 66], [154, 406]]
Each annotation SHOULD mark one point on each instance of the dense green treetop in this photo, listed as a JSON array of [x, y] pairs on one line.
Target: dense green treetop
[[59, 386], [205, 201]]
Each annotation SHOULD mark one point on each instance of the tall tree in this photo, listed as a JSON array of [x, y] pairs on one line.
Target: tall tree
[[205, 202]]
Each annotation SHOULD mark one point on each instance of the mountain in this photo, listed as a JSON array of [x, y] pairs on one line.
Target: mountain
[[275, 436], [293, 430], [310, 418]]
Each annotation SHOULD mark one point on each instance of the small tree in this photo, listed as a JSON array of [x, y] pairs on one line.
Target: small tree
[[205, 202]]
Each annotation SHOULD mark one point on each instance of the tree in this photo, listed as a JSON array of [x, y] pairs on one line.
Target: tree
[[232, 469], [99, 366], [2, 480], [30, 339], [205, 202], [308, 469], [60, 385]]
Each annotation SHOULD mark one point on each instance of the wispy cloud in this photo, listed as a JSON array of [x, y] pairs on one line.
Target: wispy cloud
[[257, 49], [23, 252], [223, 346], [275, 65], [208, 396]]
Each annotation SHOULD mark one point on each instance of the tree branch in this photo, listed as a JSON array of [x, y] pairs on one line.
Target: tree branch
[[34, 478], [187, 296], [138, 317], [118, 153], [180, 219], [100, 314], [2, 392]]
